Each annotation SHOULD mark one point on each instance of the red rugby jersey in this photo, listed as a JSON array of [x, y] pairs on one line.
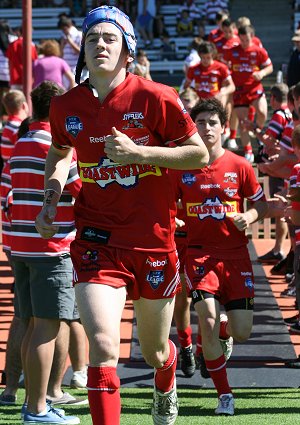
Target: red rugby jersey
[[212, 195], [133, 205], [208, 79], [9, 136], [27, 166], [278, 122], [244, 62]]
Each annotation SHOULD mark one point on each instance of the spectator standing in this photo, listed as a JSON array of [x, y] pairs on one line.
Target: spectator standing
[[211, 8], [43, 269], [70, 43], [14, 53], [217, 264], [293, 71], [6, 37], [146, 12], [123, 170], [192, 8], [51, 67]]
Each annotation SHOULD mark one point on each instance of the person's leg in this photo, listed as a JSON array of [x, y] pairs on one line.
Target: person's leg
[[242, 114], [13, 362], [261, 108], [77, 353], [59, 361], [182, 318], [100, 308], [39, 357], [281, 232]]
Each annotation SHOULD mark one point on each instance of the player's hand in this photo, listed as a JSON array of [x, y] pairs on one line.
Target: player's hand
[[120, 148], [257, 76], [247, 124], [44, 222], [240, 221], [179, 223]]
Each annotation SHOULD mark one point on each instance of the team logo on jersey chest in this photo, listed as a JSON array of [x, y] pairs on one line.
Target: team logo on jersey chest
[[230, 177], [230, 192], [188, 179], [73, 125]]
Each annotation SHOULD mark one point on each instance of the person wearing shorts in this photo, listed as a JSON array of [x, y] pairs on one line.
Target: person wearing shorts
[[249, 65], [217, 264], [43, 268], [121, 126]]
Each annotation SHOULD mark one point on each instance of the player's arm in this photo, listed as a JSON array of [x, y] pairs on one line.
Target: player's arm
[[256, 212], [262, 73], [56, 174], [191, 154], [227, 86]]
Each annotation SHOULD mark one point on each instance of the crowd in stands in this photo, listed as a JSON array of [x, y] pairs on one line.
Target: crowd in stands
[[227, 63]]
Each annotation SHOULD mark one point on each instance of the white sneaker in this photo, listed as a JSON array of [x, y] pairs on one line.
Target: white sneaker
[[232, 145], [79, 379], [225, 405], [250, 157], [165, 406], [227, 344], [225, 135]]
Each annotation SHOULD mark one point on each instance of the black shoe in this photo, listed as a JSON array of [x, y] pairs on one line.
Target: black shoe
[[288, 293], [279, 268], [200, 362], [295, 328], [271, 257], [295, 364], [187, 361], [291, 320]]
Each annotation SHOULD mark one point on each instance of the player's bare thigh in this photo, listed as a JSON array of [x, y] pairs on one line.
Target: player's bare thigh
[[100, 307], [154, 319], [261, 107]]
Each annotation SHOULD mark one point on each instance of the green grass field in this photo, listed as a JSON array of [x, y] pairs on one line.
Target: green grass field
[[253, 406]]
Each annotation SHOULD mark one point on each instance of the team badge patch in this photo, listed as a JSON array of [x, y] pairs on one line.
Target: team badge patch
[[73, 125], [188, 179], [155, 278], [249, 283]]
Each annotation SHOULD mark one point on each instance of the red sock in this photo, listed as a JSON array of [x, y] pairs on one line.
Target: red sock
[[185, 337], [232, 134], [104, 396], [251, 113], [199, 345], [217, 371], [223, 330], [248, 149], [164, 377]]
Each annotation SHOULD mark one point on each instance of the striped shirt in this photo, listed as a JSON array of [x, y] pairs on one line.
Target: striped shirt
[[9, 136], [278, 122], [27, 166], [6, 202]]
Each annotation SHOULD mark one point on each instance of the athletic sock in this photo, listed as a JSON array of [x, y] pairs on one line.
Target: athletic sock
[[233, 134], [217, 371], [104, 396], [248, 149], [198, 345], [164, 376], [251, 113], [185, 337], [223, 330]]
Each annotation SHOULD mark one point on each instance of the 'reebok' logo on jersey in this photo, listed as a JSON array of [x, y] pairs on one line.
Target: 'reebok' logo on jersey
[[212, 207], [107, 172]]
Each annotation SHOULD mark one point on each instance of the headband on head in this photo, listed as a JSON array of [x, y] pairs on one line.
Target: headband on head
[[114, 16]]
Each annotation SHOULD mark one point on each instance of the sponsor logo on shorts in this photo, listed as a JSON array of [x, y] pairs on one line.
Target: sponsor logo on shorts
[[188, 179], [249, 283], [246, 274], [157, 263], [73, 125], [90, 255], [90, 258], [199, 270], [155, 278]]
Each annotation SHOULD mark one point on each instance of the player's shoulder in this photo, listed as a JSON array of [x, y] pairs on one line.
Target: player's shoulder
[[237, 160], [152, 88]]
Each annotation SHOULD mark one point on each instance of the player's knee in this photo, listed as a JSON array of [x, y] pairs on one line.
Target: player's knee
[[241, 334], [155, 358], [103, 348]]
